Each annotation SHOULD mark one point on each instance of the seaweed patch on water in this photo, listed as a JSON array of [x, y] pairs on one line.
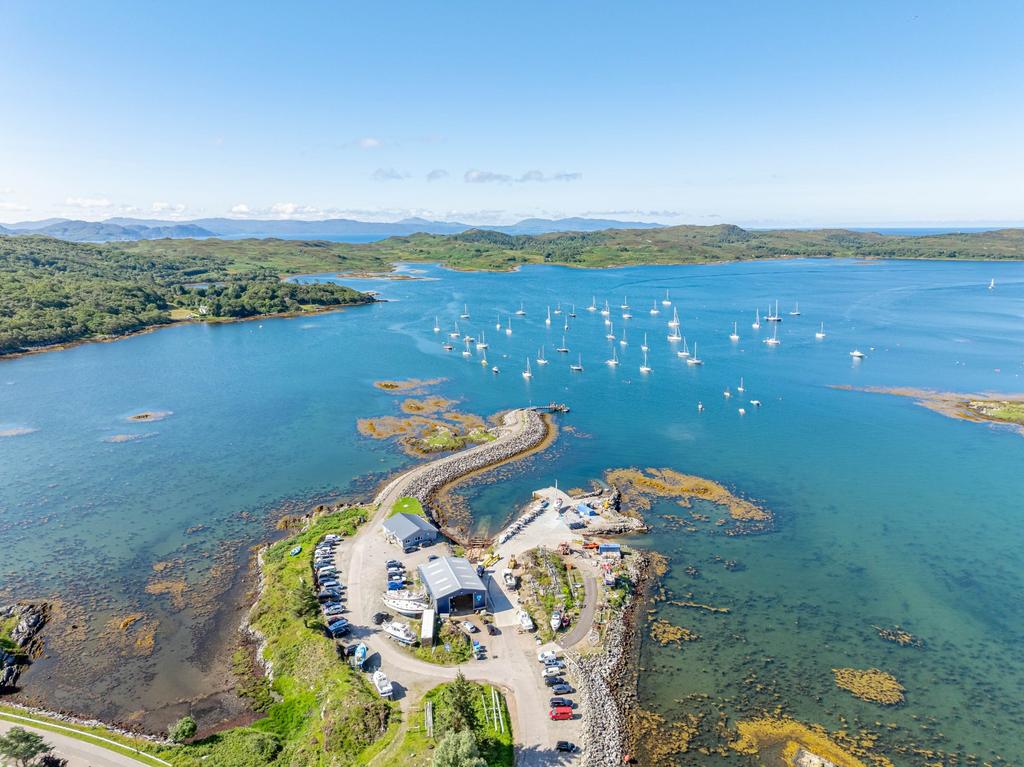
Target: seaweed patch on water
[[120, 438], [898, 636], [17, 431], [426, 405], [408, 385], [132, 634], [870, 684], [665, 633], [780, 740], [659, 740], [638, 486], [149, 416]]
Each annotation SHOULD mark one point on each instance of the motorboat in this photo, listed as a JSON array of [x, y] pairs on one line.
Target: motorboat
[[361, 653], [382, 683], [525, 621], [556, 620], [399, 631]]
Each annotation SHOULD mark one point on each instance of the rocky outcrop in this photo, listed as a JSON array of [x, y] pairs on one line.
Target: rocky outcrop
[[30, 619]]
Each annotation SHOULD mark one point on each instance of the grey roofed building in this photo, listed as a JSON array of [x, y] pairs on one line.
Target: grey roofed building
[[409, 530], [453, 585]]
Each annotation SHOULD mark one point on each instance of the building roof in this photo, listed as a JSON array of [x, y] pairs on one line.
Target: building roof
[[403, 525], [450, 575]]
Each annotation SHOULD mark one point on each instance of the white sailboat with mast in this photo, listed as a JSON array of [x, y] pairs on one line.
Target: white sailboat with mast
[[655, 310], [674, 322], [437, 326], [613, 360], [665, 301], [821, 332], [578, 367], [645, 368], [541, 359], [527, 374], [756, 324], [563, 349], [694, 359], [734, 336], [482, 343], [644, 347]]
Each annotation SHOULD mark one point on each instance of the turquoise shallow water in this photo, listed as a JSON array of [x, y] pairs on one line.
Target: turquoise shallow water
[[887, 513]]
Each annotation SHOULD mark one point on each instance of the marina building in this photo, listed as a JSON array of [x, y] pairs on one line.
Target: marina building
[[409, 530], [453, 585]]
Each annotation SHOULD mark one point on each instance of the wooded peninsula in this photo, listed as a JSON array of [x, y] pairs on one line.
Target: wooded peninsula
[[58, 292]]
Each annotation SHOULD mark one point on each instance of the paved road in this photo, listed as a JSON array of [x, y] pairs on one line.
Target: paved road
[[78, 753], [586, 620], [512, 664]]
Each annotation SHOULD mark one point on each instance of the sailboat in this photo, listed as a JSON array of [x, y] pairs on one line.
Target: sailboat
[[614, 359], [694, 360], [447, 346], [674, 335], [774, 316], [727, 393], [821, 332], [685, 351], [774, 340], [578, 367], [665, 301], [455, 333], [565, 326], [674, 322], [593, 304], [437, 326], [465, 312], [563, 349], [548, 320], [756, 324], [734, 336], [541, 359], [700, 407], [624, 304], [610, 335], [482, 343], [992, 284], [497, 325], [644, 347], [508, 328], [655, 310], [857, 354], [466, 352], [645, 368], [558, 308], [527, 374], [796, 310], [627, 316], [623, 340], [572, 312], [741, 388], [606, 311], [520, 312]]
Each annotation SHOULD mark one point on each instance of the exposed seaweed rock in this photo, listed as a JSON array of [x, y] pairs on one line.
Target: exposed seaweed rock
[[870, 684]]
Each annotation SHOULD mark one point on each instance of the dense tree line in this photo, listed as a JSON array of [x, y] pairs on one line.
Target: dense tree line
[[53, 291]]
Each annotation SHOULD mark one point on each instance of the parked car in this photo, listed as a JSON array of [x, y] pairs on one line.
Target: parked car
[[468, 627], [393, 563], [551, 681], [545, 655], [379, 618], [333, 610], [409, 549], [565, 747], [550, 671], [328, 595], [557, 702], [432, 557], [560, 713], [555, 663], [562, 688]]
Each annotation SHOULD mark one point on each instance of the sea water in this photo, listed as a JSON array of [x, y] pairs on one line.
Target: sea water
[[886, 513]]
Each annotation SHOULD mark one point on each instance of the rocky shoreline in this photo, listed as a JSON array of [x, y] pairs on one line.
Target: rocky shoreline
[[607, 680], [30, 619]]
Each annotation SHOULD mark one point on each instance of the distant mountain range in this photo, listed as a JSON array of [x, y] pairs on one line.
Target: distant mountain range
[[124, 229]]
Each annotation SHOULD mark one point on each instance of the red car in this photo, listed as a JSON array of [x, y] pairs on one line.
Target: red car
[[560, 712]]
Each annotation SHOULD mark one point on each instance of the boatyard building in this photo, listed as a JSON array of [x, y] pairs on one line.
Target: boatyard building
[[453, 585], [409, 530]]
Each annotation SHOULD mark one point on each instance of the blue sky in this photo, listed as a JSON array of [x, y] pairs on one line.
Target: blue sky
[[756, 113]]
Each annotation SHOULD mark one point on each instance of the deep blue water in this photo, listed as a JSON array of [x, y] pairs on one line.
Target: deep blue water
[[887, 513]]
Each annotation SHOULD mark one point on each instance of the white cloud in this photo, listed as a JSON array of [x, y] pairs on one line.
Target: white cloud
[[538, 176], [87, 202], [388, 174], [13, 206], [437, 174], [166, 207], [485, 177], [369, 142], [241, 209]]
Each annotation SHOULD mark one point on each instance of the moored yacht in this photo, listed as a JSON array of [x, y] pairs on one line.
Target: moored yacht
[[857, 354], [821, 332], [593, 304], [606, 311], [674, 322], [774, 340], [521, 311], [541, 359], [665, 301], [465, 312], [547, 321], [527, 374], [437, 326], [654, 309], [741, 388], [455, 333], [623, 341], [796, 310], [756, 324], [572, 311], [614, 360], [558, 308], [645, 347], [774, 316], [734, 336], [563, 349], [685, 351], [645, 368], [482, 343], [578, 367], [694, 359]]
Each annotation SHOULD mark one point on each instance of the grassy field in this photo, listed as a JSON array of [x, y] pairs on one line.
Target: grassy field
[[451, 646], [408, 505], [495, 746], [325, 713], [1009, 411]]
